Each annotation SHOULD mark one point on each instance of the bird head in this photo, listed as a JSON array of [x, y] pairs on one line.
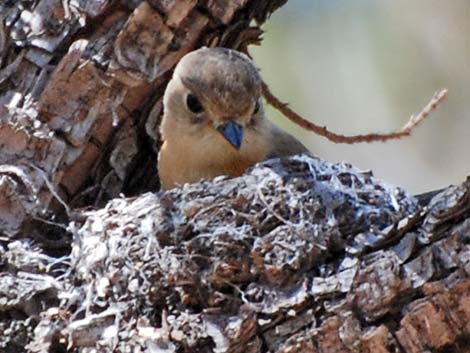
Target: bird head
[[213, 91]]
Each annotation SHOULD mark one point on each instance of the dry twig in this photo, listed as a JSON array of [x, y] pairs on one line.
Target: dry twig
[[414, 121]]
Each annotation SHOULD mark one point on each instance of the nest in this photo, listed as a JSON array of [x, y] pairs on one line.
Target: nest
[[207, 266]]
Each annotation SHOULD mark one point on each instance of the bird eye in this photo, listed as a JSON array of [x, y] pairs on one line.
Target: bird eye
[[193, 104], [256, 110]]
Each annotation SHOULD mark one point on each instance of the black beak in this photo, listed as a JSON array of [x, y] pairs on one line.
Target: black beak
[[233, 133]]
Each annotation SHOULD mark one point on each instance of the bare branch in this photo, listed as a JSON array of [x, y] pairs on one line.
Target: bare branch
[[414, 121]]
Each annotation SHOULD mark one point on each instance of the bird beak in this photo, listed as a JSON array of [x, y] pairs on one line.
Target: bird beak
[[232, 132]]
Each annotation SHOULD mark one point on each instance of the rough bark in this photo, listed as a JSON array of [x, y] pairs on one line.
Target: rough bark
[[298, 255]]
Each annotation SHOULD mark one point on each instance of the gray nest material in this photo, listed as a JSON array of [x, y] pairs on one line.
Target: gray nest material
[[215, 264]]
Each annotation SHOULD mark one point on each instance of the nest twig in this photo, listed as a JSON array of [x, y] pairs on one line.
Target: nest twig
[[414, 120]]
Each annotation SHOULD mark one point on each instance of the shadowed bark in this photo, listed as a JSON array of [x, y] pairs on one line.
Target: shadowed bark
[[298, 255]]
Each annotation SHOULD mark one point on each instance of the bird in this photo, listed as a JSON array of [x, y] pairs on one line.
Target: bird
[[214, 121]]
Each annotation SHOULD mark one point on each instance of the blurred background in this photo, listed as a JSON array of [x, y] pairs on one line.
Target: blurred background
[[365, 66]]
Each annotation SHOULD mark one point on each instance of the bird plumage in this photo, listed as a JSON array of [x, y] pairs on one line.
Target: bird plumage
[[213, 122]]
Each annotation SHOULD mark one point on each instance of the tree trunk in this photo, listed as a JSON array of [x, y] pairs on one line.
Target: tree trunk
[[298, 255]]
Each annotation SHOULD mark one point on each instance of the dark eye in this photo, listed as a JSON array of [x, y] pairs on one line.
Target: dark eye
[[256, 110], [193, 104]]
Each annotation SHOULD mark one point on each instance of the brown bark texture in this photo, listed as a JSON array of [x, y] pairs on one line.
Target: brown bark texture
[[297, 255]]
